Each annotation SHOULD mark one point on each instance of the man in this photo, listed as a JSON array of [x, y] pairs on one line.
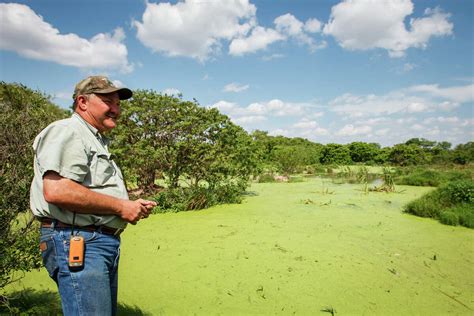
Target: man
[[78, 191]]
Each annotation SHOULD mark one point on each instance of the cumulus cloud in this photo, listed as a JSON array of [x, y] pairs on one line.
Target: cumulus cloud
[[441, 119], [289, 26], [305, 124], [369, 24], [259, 39], [26, 33], [194, 28], [351, 130], [200, 29], [457, 94], [373, 105], [312, 26], [235, 87], [415, 99]]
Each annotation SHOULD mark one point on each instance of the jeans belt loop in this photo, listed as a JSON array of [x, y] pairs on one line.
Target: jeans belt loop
[[117, 231]]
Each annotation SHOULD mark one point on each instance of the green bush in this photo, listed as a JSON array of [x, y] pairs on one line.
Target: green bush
[[461, 191], [429, 177], [449, 218], [421, 178], [199, 197], [465, 212], [425, 206], [23, 114], [452, 203], [266, 178]]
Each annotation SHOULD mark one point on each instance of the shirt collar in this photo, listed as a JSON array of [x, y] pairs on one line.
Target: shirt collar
[[94, 130]]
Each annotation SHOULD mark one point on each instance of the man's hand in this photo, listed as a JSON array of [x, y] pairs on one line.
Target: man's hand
[[133, 211]]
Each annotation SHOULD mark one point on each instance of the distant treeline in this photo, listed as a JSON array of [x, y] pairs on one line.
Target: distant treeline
[[290, 155]]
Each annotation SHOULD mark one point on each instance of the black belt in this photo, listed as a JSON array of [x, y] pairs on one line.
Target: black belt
[[48, 223]]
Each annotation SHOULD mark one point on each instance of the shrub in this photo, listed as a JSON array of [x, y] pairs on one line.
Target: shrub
[[449, 218], [425, 206], [266, 178], [199, 197], [421, 178], [23, 114], [429, 177], [452, 203], [461, 191]]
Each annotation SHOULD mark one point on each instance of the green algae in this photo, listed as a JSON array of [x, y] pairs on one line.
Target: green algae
[[348, 252]]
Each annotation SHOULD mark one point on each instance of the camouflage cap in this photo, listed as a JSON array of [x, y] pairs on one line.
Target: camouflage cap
[[100, 85]]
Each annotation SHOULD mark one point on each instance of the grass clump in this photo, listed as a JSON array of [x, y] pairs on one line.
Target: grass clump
[[430, 177], [198, 197], [452, 204]]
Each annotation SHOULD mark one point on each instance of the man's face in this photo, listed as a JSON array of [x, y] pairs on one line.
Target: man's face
[[103, 110]]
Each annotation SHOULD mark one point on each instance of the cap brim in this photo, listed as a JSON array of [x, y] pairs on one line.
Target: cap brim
[[123, 93]]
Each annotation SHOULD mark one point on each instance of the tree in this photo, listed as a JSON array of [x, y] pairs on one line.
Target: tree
[[23, 114], [335, 154], [161, 134], [406, 155], [288, 158], [464, 153], [421, 142], [363, 152]]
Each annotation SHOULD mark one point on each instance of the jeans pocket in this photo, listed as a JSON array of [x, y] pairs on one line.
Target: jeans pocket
[[48, 254]]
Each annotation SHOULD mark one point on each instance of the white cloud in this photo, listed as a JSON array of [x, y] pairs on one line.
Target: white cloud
[[280, 132], [25, 32], [249, 119], [305, 124], [235, 87], [272, 56], [351, 130], [259, 39], [416, 99], [171, 91], [441, 119], [290, 26], [408, 67], [372, 105], [366, 24], [456, 94], [417, 127], [194, 28], [414, 107], [382, 132], [312, 26]]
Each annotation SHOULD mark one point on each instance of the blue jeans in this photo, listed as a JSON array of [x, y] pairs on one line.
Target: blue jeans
[[92, 289]]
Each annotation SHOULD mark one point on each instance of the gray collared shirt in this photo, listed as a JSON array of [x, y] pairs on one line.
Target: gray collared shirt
[[75, 150]]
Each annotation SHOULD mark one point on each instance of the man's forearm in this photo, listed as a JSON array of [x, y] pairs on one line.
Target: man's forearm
[[70, 195]]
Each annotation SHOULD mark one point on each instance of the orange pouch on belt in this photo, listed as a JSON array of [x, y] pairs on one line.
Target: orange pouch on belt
[[76, 252]]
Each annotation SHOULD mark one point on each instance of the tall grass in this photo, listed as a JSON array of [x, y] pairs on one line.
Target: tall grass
[[430, 176], [452, 204]]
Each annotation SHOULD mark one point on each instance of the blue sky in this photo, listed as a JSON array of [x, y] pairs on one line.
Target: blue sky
[[330, 71]]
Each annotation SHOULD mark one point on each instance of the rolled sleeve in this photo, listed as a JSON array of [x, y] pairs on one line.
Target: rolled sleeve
[[59, 149]]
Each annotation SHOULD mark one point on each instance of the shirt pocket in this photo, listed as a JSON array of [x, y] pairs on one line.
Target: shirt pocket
[[103, 170]]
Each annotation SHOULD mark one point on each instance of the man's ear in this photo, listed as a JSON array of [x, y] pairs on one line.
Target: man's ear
[[81, 102]]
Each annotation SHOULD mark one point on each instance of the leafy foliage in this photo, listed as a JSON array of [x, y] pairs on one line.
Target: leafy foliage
[[335, 154], [452, 203], [161, 136], [430, 176], [23, 113]]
